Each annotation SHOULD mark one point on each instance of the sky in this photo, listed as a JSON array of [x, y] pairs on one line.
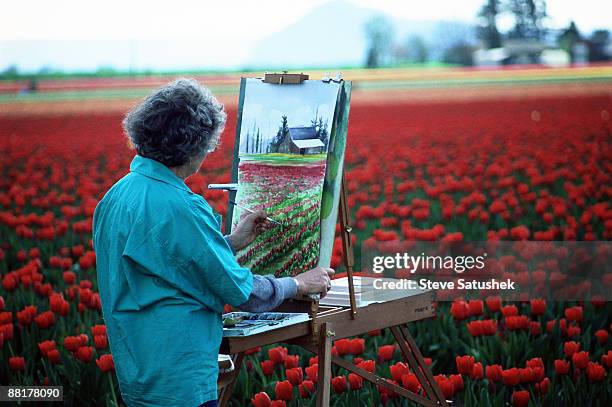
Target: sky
[[84, 34]]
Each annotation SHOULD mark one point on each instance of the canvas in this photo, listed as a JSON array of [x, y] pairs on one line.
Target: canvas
[[288, 161]]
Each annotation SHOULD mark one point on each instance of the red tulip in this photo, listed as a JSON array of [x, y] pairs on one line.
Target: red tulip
[[494, 373], [595, 372], [535, 362], [509, 311], [494, 303], [368, 365], [45, 319], [343, 346], [519, 232], [516, 322], [267, 367], [580, 359], [542, 387], [574, 314], [53, 356], [535, 328], [410, 382], [398, 370], [84, 354], [72, 343], [283, 390], [98, 330], [278, 403], [7, 331], [606, 359], [100, 341], [278, 354], [457, 381], [355, 381], [69, 277], [291, 361], [295, 375], [465, 364], [511, 377], [312, 372], [339, 384], [445, 385], [573, 331], [561, 367], [520, 398], [6, 317], [83, 339], [460, 310], [385, 353], [570, 348], [357, 346], [306, 389], [477, 371], [476, 307], [105, 363], [45, 347], [26, 316], [538, 307], [602, 336], [58, 304], [17, 363], [261, 399]]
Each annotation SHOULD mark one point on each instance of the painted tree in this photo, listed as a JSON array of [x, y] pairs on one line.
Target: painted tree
[[322, 132], [283, 131]]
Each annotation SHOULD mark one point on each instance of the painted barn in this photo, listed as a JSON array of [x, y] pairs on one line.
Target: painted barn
[[301, 140]]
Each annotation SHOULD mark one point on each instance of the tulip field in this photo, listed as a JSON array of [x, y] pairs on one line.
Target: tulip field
[[488, 167]]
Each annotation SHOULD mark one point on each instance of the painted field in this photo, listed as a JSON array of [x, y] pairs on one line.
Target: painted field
[[288, 187]]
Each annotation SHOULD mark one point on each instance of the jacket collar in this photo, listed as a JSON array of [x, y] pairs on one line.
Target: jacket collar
[[156, 170]]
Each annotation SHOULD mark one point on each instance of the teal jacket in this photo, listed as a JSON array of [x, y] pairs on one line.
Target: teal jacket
[[164, 273]]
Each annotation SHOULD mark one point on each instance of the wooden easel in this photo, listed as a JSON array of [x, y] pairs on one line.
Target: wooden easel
[[332, 323]]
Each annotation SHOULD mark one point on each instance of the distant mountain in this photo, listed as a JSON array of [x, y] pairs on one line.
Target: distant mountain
[[333, 34]]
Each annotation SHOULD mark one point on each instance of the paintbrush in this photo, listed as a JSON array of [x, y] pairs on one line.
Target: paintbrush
[[252, 211]]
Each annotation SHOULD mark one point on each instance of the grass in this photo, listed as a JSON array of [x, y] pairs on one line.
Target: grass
[[284, 159]]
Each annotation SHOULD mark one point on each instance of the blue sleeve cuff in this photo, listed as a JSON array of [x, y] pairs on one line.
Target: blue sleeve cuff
[[268, 293]]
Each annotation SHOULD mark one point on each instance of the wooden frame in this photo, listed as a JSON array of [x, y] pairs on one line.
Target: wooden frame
[[332, 323]]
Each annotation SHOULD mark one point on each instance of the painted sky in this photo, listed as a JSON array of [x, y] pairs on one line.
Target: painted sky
[[265, 104]]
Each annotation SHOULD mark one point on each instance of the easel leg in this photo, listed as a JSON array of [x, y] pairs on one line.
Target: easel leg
[[419, 356], [324, 374], [226, 392], [415, 360]]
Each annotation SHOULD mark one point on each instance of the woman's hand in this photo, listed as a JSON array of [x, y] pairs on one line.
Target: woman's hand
[[317, 280], [247, 230]]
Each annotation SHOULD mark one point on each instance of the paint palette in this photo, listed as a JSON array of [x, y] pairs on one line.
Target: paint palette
[[250, 323]]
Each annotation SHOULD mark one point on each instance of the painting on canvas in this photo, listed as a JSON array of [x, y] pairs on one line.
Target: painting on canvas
[[286, 138]]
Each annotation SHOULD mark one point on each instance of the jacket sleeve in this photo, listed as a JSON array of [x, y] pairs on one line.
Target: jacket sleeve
[[268, 293]]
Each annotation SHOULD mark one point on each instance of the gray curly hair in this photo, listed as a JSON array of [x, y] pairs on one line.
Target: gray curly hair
[[176, 123]]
